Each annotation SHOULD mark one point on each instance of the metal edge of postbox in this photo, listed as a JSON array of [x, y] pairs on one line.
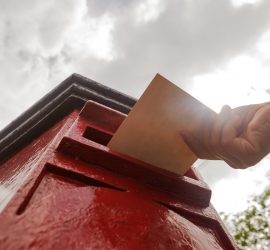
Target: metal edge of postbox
[[72, 93]]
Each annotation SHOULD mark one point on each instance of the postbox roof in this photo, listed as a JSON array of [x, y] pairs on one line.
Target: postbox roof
[[71, 93]]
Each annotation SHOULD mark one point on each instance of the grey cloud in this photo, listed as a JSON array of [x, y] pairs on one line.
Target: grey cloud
[[189, 38], [32, 38], [56, 21], [97, 8]]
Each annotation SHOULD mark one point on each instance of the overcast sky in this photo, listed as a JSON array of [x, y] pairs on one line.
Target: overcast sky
[[217, 50]]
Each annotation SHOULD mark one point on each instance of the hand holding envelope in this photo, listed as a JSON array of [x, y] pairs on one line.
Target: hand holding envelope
[[151, 132]]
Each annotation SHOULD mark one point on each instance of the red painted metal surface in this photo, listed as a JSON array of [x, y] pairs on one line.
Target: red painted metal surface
[[78, 194], [14, 171]]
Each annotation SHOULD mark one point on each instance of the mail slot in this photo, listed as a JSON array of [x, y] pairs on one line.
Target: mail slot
[[80, 194], [97, 135]]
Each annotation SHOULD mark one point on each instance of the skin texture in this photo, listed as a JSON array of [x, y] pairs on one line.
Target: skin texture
[[239, 136]]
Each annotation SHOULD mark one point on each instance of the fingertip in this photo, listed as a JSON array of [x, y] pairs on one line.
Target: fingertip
[[225, 108]]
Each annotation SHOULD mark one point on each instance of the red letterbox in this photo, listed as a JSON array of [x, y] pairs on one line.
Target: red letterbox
[[66, 190]]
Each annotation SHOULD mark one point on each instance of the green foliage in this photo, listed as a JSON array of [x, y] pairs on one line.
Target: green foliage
[[251, 228]]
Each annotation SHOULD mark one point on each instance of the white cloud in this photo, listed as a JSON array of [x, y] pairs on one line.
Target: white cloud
[[232, 194], [243, 80], [240, 3], [38, 41], [186, 39], [263, 46], [56, 23], [32, 32], [92, 37], [149, 10]]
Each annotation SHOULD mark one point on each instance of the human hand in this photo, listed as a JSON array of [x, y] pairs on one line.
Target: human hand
[[240, 136]]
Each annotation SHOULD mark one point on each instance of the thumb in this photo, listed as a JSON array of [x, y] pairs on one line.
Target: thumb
[[195, 145]]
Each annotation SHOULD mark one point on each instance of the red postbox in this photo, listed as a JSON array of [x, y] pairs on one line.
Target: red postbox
[[65, 189]]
